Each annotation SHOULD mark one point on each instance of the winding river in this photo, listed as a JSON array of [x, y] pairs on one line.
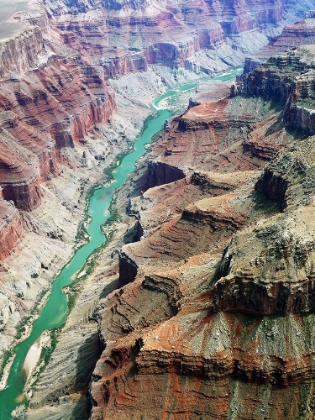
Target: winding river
[[54, 313]]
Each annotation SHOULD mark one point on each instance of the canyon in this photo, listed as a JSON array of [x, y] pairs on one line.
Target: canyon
[[201, 306]]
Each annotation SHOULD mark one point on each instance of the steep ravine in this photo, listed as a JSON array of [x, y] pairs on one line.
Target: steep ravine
[[67, 76]]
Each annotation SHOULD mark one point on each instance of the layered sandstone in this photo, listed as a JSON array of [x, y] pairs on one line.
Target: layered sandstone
[[215, 316], [289, 78], [223, 135], [23, 29], [55, 104], [292, 36], [61, 54], [11, 228], [128, 36]]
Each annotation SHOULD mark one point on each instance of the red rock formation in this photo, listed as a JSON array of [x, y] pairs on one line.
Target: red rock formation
[[11, 229], [48, 100], [42, 112], [287, 78], [300, 33], [54, 100], [22, 40], [169, 338], [196, 335], [221, 136], [122, 39]]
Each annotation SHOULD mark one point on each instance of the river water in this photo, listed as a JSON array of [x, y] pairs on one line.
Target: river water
[[54, 313]]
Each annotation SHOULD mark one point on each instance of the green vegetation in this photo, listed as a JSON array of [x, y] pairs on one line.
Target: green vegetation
[[308, 103], [45, 357], [21, 327], [71, 301], [48, 351], [89, 266], [6, 357]]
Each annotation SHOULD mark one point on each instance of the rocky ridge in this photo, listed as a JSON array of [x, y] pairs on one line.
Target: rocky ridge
[[64, 52], [215, 316], [290, 80], [292, 36]]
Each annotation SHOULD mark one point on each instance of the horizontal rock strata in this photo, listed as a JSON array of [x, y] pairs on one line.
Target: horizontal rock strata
[[169, 348], [230, 247]]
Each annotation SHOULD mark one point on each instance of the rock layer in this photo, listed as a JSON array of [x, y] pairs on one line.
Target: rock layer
[[54, 70], [11, 228], [56, 96], [287, 77], [224, 264], [292, 36]]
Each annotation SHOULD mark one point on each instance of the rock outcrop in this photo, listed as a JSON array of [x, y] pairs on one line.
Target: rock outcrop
[[49, 100], [292, 36], [225, 264], [287, 77], [128, 36], [56, 58], [11, 228]]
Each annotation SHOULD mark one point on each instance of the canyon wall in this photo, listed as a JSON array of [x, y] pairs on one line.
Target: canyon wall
[[217, 319], [57, 57], [292, 36], [287, 78], [64, 78], [128, 36]]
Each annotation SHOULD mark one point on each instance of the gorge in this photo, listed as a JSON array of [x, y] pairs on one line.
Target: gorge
[[201, 304]]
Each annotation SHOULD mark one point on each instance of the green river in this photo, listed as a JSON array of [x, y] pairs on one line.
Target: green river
[[54, 313]]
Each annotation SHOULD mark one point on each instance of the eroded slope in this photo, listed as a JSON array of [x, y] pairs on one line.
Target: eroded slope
[[215, 317]]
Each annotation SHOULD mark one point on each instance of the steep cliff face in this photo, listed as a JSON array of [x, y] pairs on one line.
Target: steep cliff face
[[24, 26], [228, 275], [11, 228], [171, 331], [292, 36], [48, 101], [42, 112], [289, 78], [204, 137], [127, 36], [58, 55]]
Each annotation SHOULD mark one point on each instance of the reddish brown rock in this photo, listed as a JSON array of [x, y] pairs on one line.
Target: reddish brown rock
[[56, 94], [123, 40], [42, 112], [286, 78], [23, 29], [220, 308], [221, 136], [171, 348], [292, 36], [11, 229]]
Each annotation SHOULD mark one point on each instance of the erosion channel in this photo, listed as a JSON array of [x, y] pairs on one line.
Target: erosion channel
[[54, 313]]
